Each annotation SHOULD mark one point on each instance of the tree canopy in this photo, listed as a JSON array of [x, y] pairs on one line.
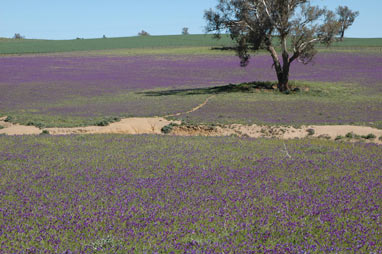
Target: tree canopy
[[346, 19], [297, 25]]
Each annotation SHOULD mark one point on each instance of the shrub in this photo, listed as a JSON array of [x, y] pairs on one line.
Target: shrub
[[339, 137], [168, 128], [369, 136], [36, 124], [102, 123], [108, 121], [311, 132], [352, 135], [380, 138], [8, 119], [45, 132]]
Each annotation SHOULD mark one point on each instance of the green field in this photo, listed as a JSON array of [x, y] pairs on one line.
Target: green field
[[50, 46], [24, 46]]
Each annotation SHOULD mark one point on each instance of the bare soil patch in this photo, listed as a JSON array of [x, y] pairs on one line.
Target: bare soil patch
[[281, 132], [17, 129], [149, 125], [154, 125]]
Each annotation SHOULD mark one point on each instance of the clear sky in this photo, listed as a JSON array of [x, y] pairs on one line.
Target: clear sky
[[68, 19]]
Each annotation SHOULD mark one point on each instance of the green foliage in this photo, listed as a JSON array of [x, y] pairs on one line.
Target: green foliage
[[369, 136], [355, 136], [168, 128], [45, 132], [8, 119], [102, 123], [311, 132], [36, 124], [339, 137], [352, 135], [108, 121]]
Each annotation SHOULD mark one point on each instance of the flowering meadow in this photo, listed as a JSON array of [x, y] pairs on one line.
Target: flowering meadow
[[161, 194], [262, 108], [67, 90]]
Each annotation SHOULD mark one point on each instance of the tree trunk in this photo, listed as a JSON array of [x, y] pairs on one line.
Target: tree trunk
[[282, 71], [283, 82], [283, 75], [342, 35]]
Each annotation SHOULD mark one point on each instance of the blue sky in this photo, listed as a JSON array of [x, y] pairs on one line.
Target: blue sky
[[68, 19]]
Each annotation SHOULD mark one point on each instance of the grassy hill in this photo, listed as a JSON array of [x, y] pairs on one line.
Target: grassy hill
[[10, 46]]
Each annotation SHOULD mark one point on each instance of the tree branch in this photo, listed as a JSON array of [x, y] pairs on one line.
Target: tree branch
[[303, 45], [269, 15]]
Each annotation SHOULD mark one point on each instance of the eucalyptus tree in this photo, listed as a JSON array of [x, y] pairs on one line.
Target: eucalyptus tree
[[346, 18], [185, 31], [292, 26]]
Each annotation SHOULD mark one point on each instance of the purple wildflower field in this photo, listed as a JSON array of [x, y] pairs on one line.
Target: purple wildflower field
[[41, 87], [161, 194], [112, 73], [55, 77], [294, 111]]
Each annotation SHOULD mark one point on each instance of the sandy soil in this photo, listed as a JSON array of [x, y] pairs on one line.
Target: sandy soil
[[154, 125], [151, 125], [17, 129], [282, 132], [125, 126]]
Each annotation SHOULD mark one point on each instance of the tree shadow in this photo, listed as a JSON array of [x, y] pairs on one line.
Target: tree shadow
[[224, 48], [231, 88]]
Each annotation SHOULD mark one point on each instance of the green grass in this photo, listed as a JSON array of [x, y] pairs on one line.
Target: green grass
[[98, 110], [51, 46], [186, 50], [243, 103], [359, 42], [316, 103], [25, 46]]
